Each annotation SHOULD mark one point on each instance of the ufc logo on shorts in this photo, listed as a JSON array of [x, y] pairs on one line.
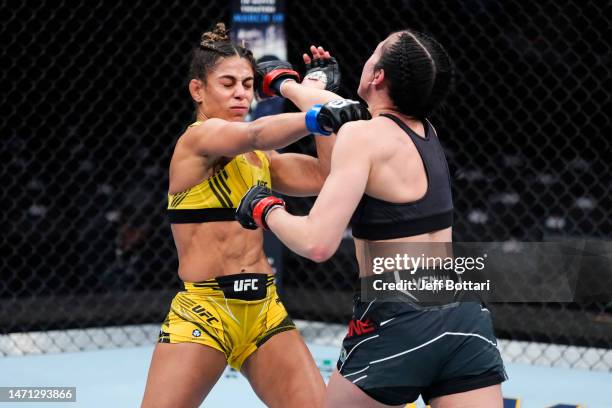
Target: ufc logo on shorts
[[245, 284]]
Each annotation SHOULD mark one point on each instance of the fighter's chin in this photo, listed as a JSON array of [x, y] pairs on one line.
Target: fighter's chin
[[361, 92], [237, 114], [235, 118]]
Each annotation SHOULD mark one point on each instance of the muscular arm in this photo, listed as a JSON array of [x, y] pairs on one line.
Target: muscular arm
[[218, 137], [301, 175], [294, 174], [318, 235], [304, 96]]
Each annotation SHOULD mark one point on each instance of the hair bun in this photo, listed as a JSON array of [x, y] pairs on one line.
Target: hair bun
[[218, 34]]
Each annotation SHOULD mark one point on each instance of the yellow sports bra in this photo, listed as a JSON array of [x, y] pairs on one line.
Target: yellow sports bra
[[216, 198]]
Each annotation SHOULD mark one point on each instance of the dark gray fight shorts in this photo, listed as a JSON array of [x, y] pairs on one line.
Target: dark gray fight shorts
[[396, 351]]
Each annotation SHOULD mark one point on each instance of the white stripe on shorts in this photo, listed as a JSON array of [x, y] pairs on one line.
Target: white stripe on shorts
[[353, 349], [360, 378], [431, 341], [356, 372]]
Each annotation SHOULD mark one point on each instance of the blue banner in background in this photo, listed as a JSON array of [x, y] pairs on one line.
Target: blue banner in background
[[261, 25]]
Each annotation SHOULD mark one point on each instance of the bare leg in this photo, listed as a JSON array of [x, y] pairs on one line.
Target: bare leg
[[341, 393], [181, 375], [283, 373], [487, 397]]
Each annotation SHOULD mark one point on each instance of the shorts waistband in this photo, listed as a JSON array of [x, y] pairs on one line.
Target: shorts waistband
[[243, 286], [385, 308]]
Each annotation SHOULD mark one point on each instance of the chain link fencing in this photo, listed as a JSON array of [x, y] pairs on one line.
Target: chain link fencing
[[95, 97]]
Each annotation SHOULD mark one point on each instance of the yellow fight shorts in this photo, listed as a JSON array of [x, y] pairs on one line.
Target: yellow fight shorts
[[234, 314]]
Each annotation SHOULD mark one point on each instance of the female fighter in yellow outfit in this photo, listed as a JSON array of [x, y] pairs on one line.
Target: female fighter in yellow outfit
[[229, 311]]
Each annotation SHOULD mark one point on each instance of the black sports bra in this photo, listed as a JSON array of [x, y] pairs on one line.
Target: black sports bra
[[376, 219]]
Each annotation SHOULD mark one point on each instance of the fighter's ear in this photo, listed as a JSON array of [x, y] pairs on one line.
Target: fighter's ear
[[196, 89], [379, 77]]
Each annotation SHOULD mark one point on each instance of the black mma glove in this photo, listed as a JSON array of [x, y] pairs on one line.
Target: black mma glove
[[270, 76], [255, 206], [331, 116], [326, 71]]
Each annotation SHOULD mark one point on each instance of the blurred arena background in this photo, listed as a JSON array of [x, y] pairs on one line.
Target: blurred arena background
[[94, 98]]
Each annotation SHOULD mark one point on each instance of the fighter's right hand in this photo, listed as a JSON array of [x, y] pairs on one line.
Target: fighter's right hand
[[272, 74], [255, 206]]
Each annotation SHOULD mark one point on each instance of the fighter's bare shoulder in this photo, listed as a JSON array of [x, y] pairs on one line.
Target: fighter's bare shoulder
[[358, 133]]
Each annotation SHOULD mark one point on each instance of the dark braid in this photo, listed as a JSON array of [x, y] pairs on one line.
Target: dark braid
[[444, 80], [418, 71], [215, 45], [406, 73]]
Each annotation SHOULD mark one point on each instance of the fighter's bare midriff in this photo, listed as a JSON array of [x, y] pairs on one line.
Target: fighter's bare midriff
[[214, 249], [435, 244]]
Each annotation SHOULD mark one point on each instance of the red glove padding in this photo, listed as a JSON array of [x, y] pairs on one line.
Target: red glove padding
[[272, 81], [261, 209], [273, 74], [255, 206]]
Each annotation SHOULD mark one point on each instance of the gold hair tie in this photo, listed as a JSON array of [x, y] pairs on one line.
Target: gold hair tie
[[208, 45]]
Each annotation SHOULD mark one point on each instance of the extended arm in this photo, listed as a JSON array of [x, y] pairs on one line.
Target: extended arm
[[318, 235], [217, 137], [302, 175], [304, 96]]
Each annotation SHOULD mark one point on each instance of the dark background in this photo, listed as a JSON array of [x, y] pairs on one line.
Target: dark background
[[94, 98]]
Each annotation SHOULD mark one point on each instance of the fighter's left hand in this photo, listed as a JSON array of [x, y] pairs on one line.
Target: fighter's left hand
[[322, 70]]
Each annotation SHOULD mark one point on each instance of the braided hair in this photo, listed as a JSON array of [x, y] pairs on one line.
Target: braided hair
[[213, 46], [419, 73]]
